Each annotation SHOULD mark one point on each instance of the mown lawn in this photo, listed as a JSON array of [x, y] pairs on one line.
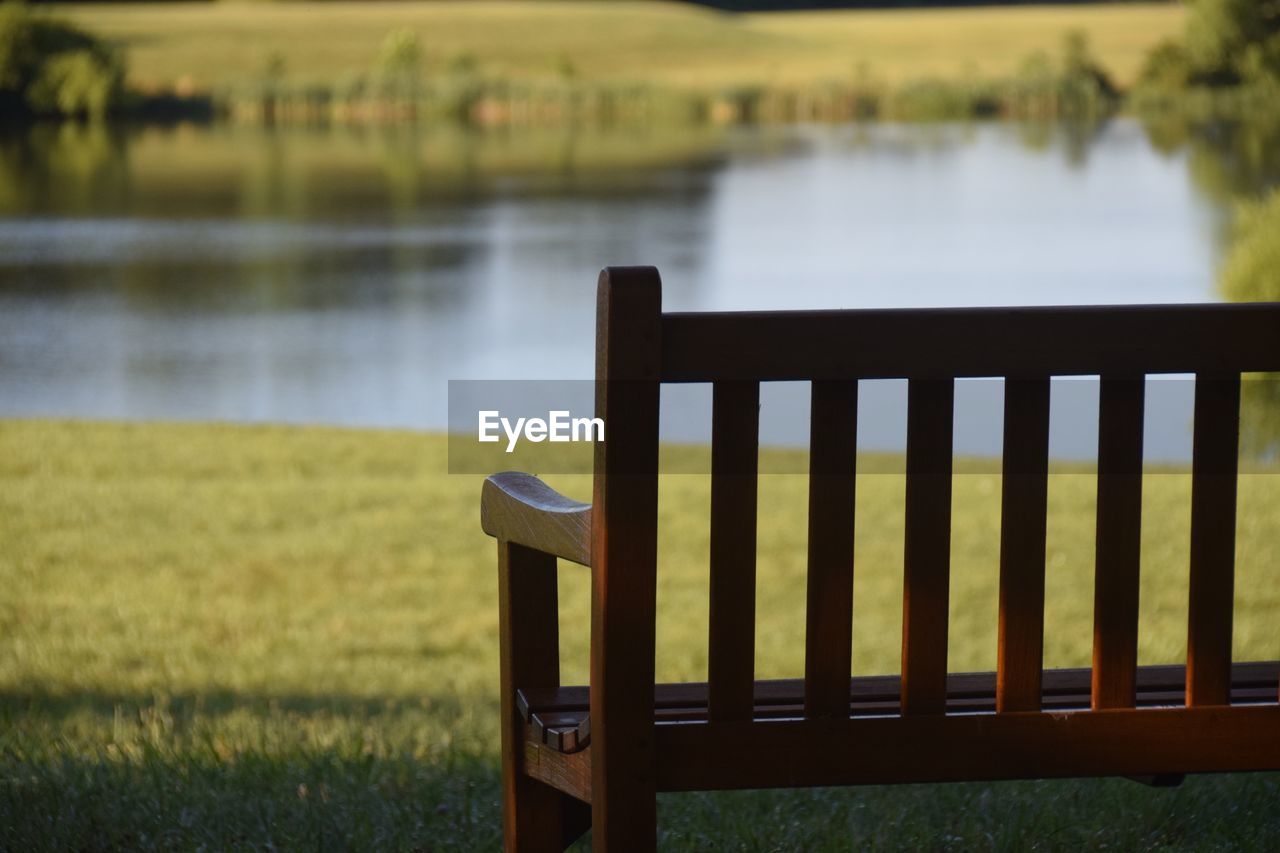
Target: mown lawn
[[226, 636], [211, 45]]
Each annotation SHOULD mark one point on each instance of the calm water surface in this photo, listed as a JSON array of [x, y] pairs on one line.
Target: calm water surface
[[343, 277]]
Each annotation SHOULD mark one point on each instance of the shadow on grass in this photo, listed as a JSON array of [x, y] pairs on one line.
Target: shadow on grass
[[56, 705], [258, 798], [1236, 812], [221, 769]]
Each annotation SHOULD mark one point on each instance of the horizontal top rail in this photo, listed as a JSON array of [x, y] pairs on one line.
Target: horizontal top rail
[[970, 342]]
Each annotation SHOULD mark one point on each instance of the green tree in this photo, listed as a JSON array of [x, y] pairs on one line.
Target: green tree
[[1251, 270], [1083, 77], [1167, 67], [399, 67], [1251, 273], [1224, 35], [76, 82], [50, 67], [400, 54]]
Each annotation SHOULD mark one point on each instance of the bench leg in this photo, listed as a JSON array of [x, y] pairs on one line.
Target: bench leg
[[536, 817], [628, 824]]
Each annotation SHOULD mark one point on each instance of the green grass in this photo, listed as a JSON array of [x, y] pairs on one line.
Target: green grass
[[229, 636], [207, 46]]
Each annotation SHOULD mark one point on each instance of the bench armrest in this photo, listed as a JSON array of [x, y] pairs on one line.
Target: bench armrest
[[520, 508]]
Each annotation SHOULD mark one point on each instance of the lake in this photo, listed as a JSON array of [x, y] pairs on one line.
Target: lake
[[344, 276]]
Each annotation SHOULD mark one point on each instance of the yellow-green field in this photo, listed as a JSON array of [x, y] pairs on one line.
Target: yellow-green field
[[231, 636], [205, 46]]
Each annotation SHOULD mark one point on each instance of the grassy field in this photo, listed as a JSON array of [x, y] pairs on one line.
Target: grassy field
[[227, 636], [206, 46]]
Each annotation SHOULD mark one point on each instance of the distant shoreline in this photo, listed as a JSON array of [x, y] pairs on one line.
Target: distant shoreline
[[188, 48], [496, 63]]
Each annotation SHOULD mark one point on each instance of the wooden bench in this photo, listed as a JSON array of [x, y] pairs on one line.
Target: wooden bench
[[576, 757]]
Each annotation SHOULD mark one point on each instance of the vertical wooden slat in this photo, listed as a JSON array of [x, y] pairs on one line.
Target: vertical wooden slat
[[624, 542], [930, 410], [529, 656], [1023, 520], [1215, 448], [735, 419], [829, 610], [1118, 542]]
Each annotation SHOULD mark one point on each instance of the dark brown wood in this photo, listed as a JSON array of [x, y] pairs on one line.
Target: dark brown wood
[[570, 773], [1215, 447], [577, 816], [1073, 702], [564, 732], [956, 342], [1255, 678], [1118, 541], [529, 656], [624, 559], [927, 553], [521, 508], [829, 611], [735, 419], [1023, 520], [878, 695], [966, 747], [624, 738]]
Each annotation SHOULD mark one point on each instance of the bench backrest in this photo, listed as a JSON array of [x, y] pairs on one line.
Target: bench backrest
[[639, 347]]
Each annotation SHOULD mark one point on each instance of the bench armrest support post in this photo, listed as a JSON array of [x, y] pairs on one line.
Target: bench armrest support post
[[534, 525]]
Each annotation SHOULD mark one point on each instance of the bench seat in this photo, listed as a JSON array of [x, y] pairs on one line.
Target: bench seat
[[557, 716]]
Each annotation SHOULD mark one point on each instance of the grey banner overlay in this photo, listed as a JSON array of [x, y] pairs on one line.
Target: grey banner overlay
[[685, 425]]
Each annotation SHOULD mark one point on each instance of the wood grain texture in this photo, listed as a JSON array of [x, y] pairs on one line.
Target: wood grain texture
[[521, 508], [529, 656], [624, 559], [964, 747], [570, 774], [1023, 523], [958, 342], [1118, 541], [1215, 447], [889, 706], [927, 552], [558, 717], [829, 605], [735, 419]]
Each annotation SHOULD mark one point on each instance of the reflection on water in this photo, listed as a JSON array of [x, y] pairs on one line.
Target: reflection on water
[[343, 276]]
